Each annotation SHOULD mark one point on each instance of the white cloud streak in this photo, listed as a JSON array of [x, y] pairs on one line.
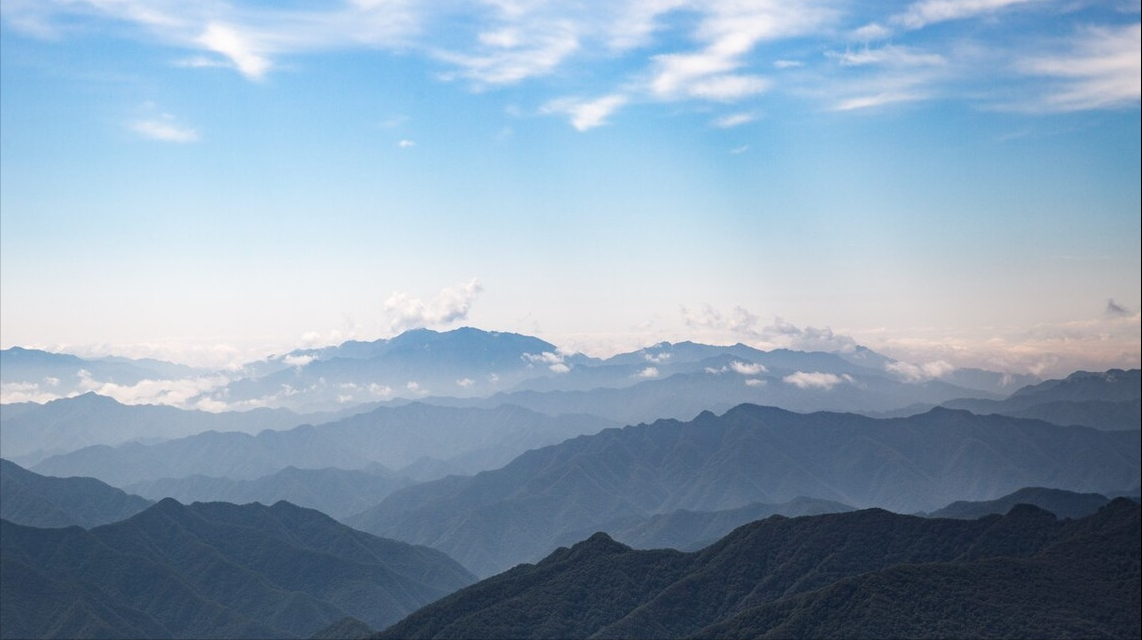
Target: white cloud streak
[[586, 114], [671, 50], [734, 120], [511, 54], [1101, 68], [927, 12], [164, 129]]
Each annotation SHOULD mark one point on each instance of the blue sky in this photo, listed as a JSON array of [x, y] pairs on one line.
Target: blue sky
[[947, 181]]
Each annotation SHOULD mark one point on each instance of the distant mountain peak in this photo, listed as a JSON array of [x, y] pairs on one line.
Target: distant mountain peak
[[598, 544]]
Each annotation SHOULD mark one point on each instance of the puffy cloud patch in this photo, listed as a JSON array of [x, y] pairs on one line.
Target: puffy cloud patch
[[554, 361], [808, 339], [747, 368], [452, 304], [648, 372], [298, 360], [178, 393], [816, 380], [921, 372], [739, 321], [239, 48], [11, 392], [754, 382]]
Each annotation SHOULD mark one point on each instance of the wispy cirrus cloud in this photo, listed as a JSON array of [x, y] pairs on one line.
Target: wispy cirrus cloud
[[652, 52], [510, 54], [586, 114], [241, 35], [926, 12], [164, 128], [1099, 67], [734, 120], [728, 32]]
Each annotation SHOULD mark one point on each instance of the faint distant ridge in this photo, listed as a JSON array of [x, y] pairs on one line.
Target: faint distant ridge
[[860, 574], [464, 440], [1110, 385], [1109, 400], [31, 432], [212, 570], [336, 492], [474, 367], [688, 530], [521, 511], [63, 372], [39, 501], [1064, 504]]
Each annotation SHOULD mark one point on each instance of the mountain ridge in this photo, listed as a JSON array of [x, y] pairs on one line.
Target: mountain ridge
[[497, 518]]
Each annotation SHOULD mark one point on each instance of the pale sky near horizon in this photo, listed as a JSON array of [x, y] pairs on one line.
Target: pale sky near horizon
[[209, 182]]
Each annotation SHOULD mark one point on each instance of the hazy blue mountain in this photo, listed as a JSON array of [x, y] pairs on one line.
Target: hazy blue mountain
[[1064, 504], [165, 370], [394, 437], [39, 501], [68, 424], [461, 362], [688, 530], [860, 574], [212, 570], [1111, 386], [1106, 400], [62, 371], [335, 492], [717, 387], [465, 366], [751, 454]]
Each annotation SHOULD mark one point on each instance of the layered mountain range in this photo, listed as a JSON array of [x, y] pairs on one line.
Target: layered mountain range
[[496, 519], [862, 574], [137, 520], [427, 440]]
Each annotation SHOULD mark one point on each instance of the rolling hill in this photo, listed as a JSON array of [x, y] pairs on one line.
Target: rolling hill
[[860, 574], [211, 570], [335, 492], [40, 501]]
